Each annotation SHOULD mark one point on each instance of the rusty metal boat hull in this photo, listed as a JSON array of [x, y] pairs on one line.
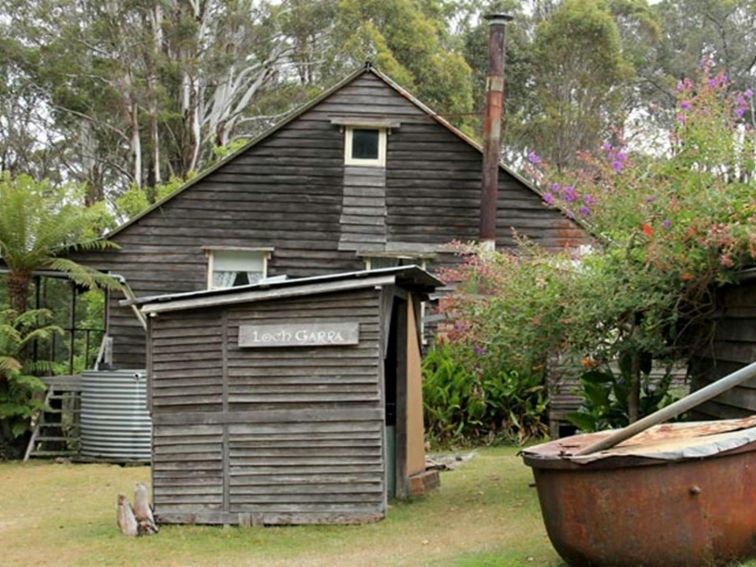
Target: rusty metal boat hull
[[631, 511]]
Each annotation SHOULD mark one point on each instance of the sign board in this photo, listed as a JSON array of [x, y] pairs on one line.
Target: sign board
[[293, 335]]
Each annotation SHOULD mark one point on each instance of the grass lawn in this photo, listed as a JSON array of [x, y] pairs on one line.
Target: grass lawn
[[484, 515]]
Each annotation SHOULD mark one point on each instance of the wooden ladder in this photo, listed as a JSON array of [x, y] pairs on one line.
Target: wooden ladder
[[56, 432]]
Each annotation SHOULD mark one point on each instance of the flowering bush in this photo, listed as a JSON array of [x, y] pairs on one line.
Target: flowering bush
[[668, 229]]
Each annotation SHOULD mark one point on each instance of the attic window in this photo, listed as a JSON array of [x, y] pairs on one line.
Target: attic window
[[231, 267], [365, 146]]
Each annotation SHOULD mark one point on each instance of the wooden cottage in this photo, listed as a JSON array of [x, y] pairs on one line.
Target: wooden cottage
[[364, 176], [289, 402]]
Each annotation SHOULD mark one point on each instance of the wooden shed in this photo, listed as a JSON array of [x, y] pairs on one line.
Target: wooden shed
[[732, 346], [288, 402]]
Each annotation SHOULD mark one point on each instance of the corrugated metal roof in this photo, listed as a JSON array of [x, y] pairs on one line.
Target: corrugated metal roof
[[413, 278]]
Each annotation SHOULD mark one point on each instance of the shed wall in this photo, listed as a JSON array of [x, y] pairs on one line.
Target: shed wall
[[268, 435], [287, 192], [733, 347]]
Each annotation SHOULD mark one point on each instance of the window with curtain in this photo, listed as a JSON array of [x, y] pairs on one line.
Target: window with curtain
[[231, 268]]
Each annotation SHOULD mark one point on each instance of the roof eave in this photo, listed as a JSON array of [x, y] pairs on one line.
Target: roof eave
[[410, 277]]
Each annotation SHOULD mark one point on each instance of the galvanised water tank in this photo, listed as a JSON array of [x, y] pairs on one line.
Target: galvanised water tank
[[115, 423]]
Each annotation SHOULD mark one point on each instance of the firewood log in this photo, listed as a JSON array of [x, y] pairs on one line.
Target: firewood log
[[145, 520], [125, 517]]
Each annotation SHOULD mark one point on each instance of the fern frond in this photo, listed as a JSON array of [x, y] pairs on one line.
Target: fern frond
[[83, 275]]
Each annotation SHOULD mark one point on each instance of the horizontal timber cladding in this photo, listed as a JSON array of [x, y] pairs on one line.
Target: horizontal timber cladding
[[732, 347], [187, 468], [281, 435], [292, 192], [186, 363]]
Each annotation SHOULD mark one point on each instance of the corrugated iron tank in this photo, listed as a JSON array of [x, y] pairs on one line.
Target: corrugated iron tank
[[115, 422]]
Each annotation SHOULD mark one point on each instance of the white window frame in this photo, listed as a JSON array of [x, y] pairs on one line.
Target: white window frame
[[382, 136], [265, 253]]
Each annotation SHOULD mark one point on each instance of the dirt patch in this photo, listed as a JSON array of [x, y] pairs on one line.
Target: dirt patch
[[6, 525]]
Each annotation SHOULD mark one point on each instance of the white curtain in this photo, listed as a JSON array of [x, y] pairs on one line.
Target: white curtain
[[254, 277], [223, 279]]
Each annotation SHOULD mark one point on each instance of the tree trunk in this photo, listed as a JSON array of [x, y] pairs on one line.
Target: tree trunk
[[136, 143], [156, 17], [154, 173], [18, 290]]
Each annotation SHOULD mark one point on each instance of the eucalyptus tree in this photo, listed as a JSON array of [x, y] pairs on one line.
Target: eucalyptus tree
[[721, 33], [570, 70], [144, 90]]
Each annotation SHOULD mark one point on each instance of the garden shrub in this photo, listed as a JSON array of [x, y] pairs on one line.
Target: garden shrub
[[605, 395], [20, 390], [466, 403]]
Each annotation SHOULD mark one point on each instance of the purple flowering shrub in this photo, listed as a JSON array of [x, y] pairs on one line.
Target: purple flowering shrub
[[668, 229]]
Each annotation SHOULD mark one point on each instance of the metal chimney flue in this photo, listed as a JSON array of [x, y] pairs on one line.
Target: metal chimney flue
[[492, 128]]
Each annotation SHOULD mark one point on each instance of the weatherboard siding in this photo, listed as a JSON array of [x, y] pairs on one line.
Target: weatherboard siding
[[287, 192], [733, 346], [273, 435]]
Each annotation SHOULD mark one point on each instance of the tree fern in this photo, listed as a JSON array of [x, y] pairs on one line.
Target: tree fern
[[39, 229]]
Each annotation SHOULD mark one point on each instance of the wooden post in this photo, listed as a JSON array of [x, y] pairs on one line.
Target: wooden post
[[125, 517], [142, 511]]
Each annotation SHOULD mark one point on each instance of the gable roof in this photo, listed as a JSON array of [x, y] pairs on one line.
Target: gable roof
[[296, 113]]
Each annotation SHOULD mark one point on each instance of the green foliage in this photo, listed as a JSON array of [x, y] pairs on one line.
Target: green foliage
[[465, 404], [19, 389], [605, 396], [723, 30], [669, 229], [580, 75], [221, 152], [137, 199]]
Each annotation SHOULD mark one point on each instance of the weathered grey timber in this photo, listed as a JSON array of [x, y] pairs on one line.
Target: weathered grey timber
[[733, 346], [289, 190], [291, 435], [363, 209]]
